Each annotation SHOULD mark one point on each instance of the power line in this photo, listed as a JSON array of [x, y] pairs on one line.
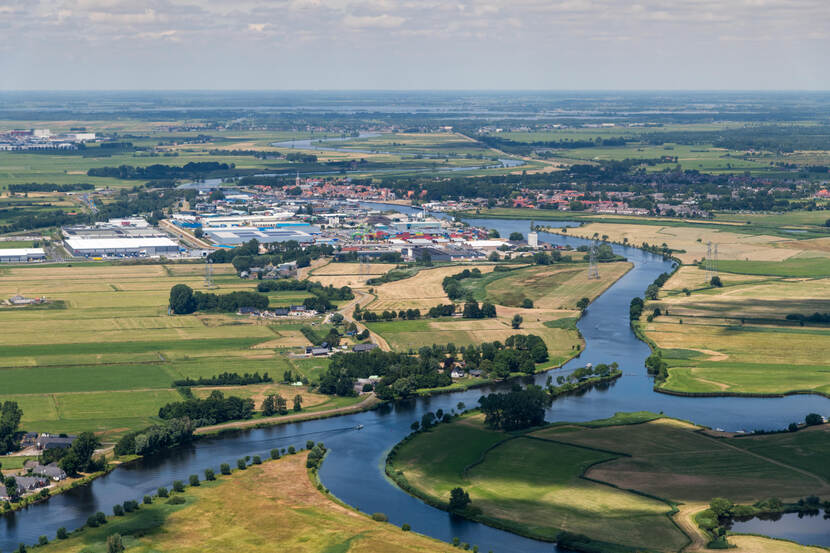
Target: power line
[[593, 269]]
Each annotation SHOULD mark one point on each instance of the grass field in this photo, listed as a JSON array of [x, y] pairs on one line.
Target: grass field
[[553, 286], [603, 479], [421, 291], [266, 506], [74, 369], [736, 339]]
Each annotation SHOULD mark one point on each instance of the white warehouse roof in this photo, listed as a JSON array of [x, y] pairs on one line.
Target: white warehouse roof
[[118, 243], [21, 252]]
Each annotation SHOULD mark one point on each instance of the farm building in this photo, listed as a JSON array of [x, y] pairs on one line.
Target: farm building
[[47, 441], [99, 247], [21, 255]]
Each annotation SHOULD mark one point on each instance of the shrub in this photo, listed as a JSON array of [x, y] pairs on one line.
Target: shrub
[[114, 543], [275, 453], [309, 444], [101, 517], [256, 460], [177, 500], [194, 480], [291, 450], [813, 419], [380, 517], [406, 527], [178, 486], [241, 464], [162, 492], [225, 469], [62, 533], [118, 510], [148, 500], [42, 540], [130, 506], [209, 475]]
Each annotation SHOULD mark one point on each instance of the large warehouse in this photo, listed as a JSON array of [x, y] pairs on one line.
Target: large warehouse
[[21, 255], [239, 235], [116, 247]]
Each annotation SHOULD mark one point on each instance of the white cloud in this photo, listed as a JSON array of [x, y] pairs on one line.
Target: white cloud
[[384, 21]]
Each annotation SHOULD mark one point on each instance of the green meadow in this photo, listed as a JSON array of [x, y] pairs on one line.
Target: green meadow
[[114, 345], [617, 481]]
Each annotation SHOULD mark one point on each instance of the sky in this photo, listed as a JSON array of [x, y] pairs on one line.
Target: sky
[[415, 44]]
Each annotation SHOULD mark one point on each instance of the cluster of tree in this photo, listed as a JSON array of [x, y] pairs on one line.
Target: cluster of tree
[[194, 169], [324, 294], [315, 456], [275, 404], [10, 416], [78, 457], [515, 410], [21, 219], [452, 285], [472, 310], [654, 288], [635, 309], [331, 339], [157, 437], [385, 257], [543, 258], [443, 310], [402, 374], [225, 379], [184, 300], [822, 318], [137, 201], [247, 255], [656, 365], [48, 187], [373, 316], [301, 158], [215, 408]]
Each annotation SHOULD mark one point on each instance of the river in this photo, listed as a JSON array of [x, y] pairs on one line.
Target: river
[[353, 470]]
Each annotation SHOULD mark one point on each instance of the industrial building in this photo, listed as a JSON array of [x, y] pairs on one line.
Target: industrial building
[[121, 247], [21, 255], [239, 235]]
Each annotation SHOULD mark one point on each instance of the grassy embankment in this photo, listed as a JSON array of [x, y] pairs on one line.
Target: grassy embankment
[[113, 344], [265, 506], [616, 481]]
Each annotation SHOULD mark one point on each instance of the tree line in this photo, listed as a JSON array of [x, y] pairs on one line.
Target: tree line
[[183, 300], [213, 409], [225, 379], [158, 171]]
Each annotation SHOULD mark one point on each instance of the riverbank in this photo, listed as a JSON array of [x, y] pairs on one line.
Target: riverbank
[[370, 402], [275, 502]]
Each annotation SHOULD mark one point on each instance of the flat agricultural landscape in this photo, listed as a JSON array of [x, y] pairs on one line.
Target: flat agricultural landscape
[[251, 510], [691, 240], [736, 338], [107, 341], [421, 291], [554, 289], [353, 275], [614, 480]]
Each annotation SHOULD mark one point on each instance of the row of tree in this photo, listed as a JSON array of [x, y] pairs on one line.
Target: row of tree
[[184, 300], [225, 379], [214, 409]]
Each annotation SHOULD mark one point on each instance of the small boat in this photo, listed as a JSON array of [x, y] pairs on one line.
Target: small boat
[[358, 427]]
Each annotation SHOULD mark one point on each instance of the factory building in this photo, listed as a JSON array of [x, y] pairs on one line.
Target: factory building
[[21, 255], [121, 247]]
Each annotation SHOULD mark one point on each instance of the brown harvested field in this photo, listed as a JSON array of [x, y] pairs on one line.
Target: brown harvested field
[[694, 241], [257, 392], [554, 286], [421, 291], [757, 544], [334, 269], [266, 508], [692, 277]]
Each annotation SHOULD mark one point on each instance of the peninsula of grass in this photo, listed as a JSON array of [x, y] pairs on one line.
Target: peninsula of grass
[[274, 504], [622, 483]]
